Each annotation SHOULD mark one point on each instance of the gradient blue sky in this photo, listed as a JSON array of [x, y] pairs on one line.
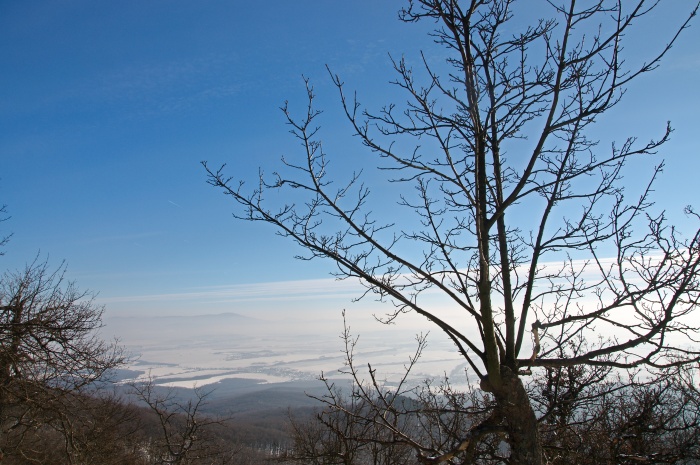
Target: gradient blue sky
[[107, 108]]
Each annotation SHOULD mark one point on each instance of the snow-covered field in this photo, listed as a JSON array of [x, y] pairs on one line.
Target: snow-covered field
[[205, 350]]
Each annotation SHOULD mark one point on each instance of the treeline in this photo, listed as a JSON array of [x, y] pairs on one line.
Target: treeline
[[585, 416], [109, 428], [649, 422]]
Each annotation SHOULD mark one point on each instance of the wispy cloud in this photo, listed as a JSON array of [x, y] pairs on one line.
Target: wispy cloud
[[310, 289]]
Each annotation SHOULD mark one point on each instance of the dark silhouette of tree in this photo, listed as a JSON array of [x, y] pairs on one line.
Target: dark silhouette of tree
[[50, 353], [4, 239], [184, 435], [594, 414], [374, 423], [587, 415], [519, 217], [81, 429]]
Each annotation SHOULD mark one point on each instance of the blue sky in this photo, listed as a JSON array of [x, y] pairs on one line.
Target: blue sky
[[107, 108]]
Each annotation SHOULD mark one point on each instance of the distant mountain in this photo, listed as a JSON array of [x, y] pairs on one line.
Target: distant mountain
[[139, 328], [226, 316], [212, 316]]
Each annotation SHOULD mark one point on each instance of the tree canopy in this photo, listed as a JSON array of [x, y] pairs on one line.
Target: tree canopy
[[522, 219]]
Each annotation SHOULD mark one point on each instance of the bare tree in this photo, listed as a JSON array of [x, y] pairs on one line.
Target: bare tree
[[587, 415], [6, 238], [539, 249], [593, 415], [370, 424], [185, 434], [373, 422], [50, 351], [81, 428]]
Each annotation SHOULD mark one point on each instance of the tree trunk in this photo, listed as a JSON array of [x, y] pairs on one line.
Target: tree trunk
[[520, 421]]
